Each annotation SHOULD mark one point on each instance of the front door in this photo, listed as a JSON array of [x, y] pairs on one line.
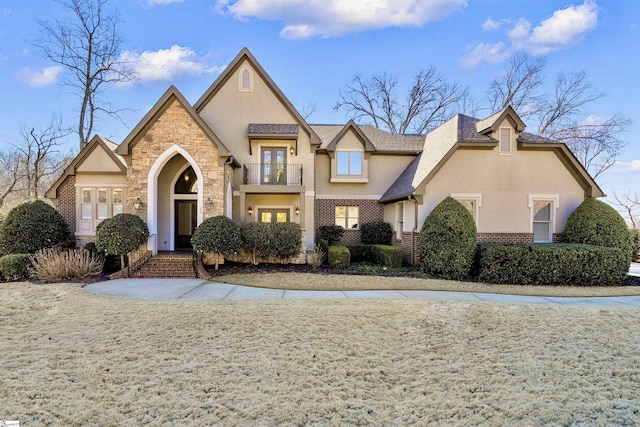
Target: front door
[[185, 225], [273, 215], [274, 165]]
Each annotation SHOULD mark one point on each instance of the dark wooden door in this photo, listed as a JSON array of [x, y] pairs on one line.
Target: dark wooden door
[[185, 223]]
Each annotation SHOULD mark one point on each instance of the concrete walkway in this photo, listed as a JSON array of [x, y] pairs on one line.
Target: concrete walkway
[[202, 290]]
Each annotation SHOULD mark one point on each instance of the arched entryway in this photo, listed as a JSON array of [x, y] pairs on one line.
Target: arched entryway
[[175, 200]]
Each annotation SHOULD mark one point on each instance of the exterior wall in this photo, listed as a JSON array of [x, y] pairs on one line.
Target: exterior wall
[[175, 127], [67, 202], [370, 211], [505, 183], [98, 161]]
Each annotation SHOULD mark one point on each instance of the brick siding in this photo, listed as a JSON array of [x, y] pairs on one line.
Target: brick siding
[[370, 211], [67, 202], [409, 247]]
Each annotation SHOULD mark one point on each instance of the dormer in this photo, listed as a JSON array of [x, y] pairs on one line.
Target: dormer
[[504, 126], [349, 152]]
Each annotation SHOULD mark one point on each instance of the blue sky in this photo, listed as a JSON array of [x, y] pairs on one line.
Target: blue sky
[[312, 48]]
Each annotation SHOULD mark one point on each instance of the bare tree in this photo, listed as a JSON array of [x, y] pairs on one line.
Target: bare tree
[[428, 103], [630, 203], [88, 49], [560, 115], [10, 172]]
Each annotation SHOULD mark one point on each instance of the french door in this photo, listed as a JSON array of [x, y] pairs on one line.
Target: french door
[[274, 165]]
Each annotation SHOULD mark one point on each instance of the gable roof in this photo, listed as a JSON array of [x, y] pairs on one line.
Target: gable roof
[[351, 125], [232, 67], [403, 186], [96, 142], [491, 123], [381, 140], [152, 116]]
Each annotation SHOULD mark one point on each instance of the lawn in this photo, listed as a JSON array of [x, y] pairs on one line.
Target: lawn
[[74, 358]]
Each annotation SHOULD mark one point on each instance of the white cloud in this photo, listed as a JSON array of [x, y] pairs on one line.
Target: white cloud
[[156, 2], [564, 28], [485, 52], [321, 18], [632, 166], [38, 77], [166, 64], [490, 25]]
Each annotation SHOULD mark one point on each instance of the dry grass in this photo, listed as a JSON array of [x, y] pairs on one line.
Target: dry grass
[[326, 282], [74, 358]]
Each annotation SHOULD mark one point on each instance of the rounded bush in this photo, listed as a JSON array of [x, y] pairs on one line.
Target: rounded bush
[[15, 267], [447, 241], [287, 238], [121, 234], [219, 235], [256, 238], [376, 233], [32, 226], [596, 223]]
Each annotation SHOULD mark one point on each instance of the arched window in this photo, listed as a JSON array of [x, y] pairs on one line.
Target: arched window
[[246, 80], [187, 182]]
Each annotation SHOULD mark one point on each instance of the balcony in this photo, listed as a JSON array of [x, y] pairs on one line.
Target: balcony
[[271, 174]]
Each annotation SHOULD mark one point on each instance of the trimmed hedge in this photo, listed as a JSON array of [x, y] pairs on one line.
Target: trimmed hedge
[[361, 253], [219, 235], [15, 267], [339, 256], [551, 264], [374, 233], [447, 242], [635, 244], [387, 255], [263, 239], [596, 223], [331, 234], [32, 226]]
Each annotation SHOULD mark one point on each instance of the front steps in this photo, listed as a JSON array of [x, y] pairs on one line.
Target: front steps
[[168, 264]]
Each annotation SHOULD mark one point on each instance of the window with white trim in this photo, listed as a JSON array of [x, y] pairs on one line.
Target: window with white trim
[[349, 163], [101, 206], [543, 215], [472, 202], [98, 204], [86, 207], [505, 140], [116, 201], [347, 217]]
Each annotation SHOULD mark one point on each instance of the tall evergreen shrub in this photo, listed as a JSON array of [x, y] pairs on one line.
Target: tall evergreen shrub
[[32, 226]]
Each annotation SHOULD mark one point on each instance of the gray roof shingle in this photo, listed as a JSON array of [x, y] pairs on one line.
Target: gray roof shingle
[[403, 186], [271, 129], [381, 140]]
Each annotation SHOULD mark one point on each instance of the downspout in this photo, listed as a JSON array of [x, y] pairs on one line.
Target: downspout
[[415, 228], [225, 208]]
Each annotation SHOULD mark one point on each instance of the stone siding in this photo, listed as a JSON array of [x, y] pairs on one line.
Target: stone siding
[[176, 126], [370, 211]]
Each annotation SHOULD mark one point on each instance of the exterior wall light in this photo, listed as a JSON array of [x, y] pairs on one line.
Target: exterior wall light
[[291, 150], [250, 210], [297, 210], [208, 205], [137, 203]]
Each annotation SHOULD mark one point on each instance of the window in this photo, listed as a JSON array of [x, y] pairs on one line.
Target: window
[[273, 215], [246, 81], [399, 220], [116, 200], [96, 205], [347, 217], [543, 217], [101, 207], [87, 210], [472, 202], [505, 141], [349, 162]]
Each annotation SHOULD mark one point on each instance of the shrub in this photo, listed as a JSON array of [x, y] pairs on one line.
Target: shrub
[[387, 255], [255, 239], [15, 267], [286, 240], [339, 256], [59, 265], [331, 233], [219, 235], [551, 264], [635, 244], [316, 258], [447, 241], [596, 223], [121, 234], [32, 226], [361, 253], [373, 233]]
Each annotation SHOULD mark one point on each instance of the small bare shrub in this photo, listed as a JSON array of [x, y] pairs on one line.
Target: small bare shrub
[[58, 265], [317, 257]]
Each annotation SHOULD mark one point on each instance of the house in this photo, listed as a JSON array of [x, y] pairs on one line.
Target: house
[[244, 151]]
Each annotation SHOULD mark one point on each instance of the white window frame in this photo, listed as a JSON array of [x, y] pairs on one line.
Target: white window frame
[[500, 145], [346, 217], [86, 225], [349, 154], [476, 198], [241, 86], [555, 204]]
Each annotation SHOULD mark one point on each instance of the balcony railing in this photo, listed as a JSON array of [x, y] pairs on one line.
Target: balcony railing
[[271, 174]]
